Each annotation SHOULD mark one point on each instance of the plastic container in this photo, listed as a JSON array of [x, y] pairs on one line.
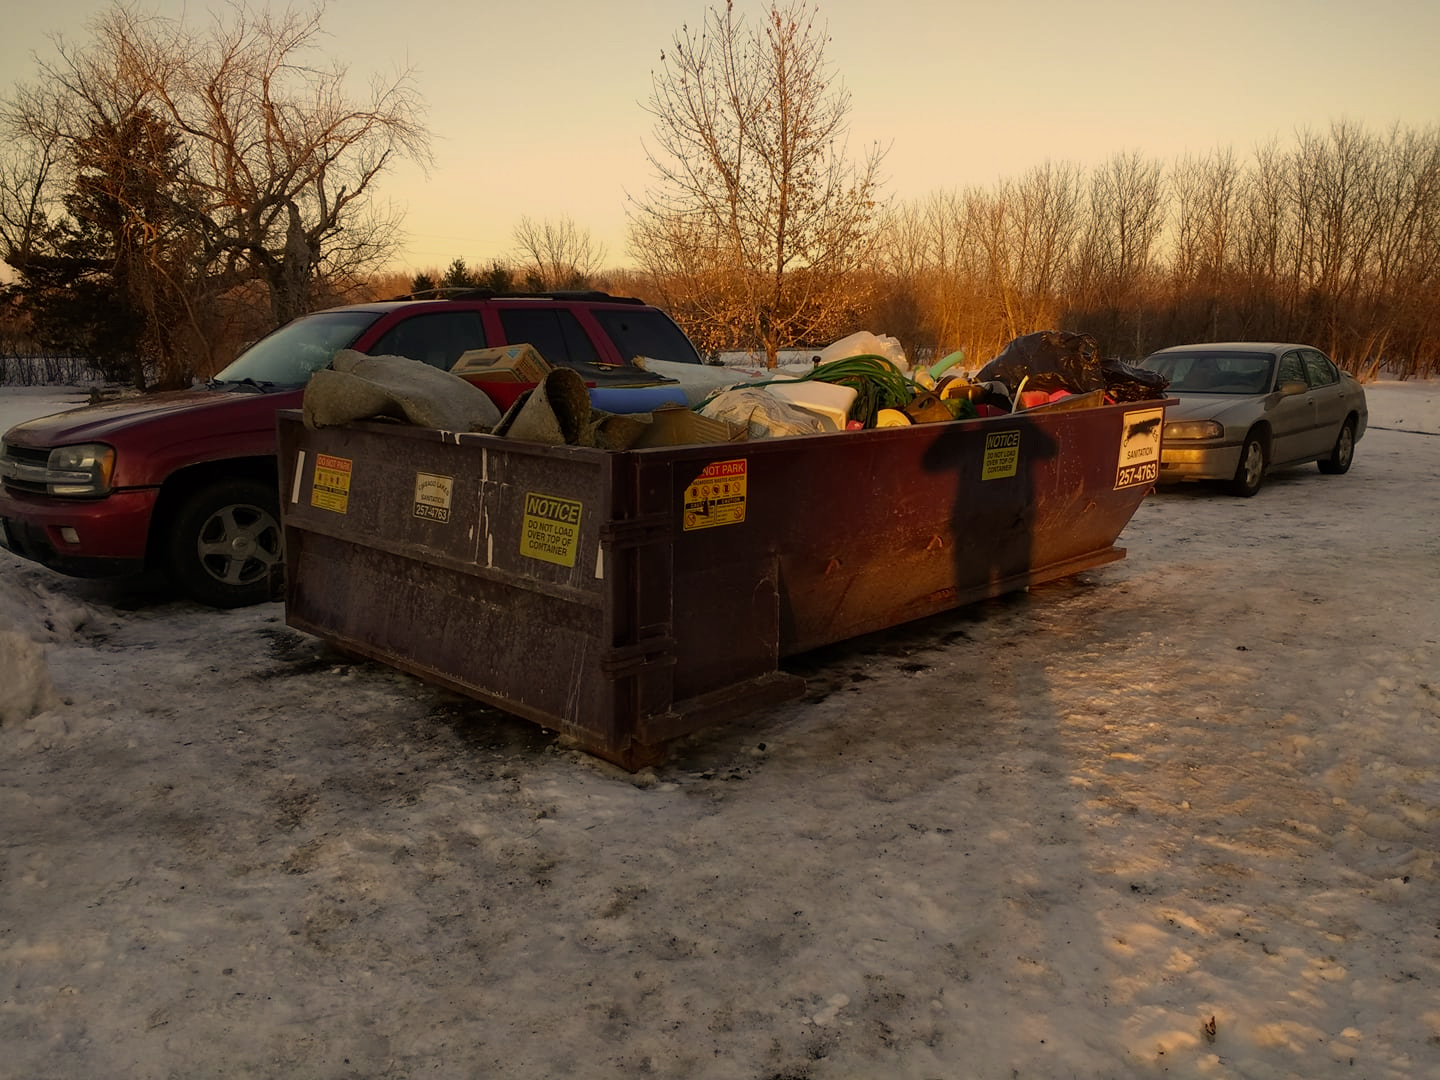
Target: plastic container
[[636, 399], [829, 401]]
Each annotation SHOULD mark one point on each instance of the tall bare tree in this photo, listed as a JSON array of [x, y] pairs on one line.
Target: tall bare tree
[[752, 172]]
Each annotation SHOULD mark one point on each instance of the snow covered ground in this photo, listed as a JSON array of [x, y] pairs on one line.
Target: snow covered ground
[[1177, 816]]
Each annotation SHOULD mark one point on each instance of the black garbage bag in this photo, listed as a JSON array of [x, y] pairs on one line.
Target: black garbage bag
[[1047, 360], [1126, 382]]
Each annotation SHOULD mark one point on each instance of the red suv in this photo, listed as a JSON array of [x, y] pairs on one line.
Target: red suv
[[185, 482]]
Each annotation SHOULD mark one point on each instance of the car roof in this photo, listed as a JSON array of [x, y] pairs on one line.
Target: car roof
[[1234, 346], [582, 298]]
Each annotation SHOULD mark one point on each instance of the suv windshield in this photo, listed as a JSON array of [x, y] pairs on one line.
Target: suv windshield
[[290, 355]]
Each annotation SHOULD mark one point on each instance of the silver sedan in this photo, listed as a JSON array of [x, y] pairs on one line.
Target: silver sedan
[[1248, 407]]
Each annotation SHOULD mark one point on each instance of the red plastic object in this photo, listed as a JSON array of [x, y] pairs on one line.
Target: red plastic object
[[503, 394]]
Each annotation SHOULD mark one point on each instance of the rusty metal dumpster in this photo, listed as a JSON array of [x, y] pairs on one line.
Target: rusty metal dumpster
[[629, 598]]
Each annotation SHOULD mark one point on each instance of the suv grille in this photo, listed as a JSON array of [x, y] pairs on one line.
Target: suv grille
[[23, 468]]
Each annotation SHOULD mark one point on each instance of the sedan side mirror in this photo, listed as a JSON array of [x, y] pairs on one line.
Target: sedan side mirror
[[1292, 386]]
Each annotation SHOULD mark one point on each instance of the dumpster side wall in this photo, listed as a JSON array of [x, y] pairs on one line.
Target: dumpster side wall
[[628, 598]]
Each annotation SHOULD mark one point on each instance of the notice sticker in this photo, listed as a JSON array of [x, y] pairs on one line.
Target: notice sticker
[[330, 489], [432, 496], [716, 496], [1139, 461], [551, 529], [1002, 455]]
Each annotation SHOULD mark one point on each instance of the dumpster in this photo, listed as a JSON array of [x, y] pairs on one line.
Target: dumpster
[[627, 598]]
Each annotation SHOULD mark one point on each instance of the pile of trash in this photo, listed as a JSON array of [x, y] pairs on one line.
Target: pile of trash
[[864, 381], [860, 382]]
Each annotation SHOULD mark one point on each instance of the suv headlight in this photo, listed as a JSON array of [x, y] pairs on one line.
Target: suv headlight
[[1194, 429], [80, 470]]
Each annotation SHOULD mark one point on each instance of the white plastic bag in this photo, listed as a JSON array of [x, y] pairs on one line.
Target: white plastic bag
[[863, 342], [766, 415]]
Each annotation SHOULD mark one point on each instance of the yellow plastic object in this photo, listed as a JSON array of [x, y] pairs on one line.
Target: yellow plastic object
[[959, 388], [891, 418]]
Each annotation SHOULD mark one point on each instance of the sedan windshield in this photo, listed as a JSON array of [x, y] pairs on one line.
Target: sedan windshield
[[1214, 373], [290, 355]]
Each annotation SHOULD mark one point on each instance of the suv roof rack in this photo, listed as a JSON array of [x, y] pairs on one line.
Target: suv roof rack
[[465, 292]]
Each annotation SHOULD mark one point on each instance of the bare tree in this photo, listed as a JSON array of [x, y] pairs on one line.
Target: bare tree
[[752, 173], [95, 208], [903, 256], [557, 254], [30, 171], [1027, 230], [276, 165], [1404, 283], [1117, 251], [1206, 192], [286, 160]]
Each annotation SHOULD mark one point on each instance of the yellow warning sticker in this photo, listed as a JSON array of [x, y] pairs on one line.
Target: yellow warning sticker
[[330, 489], [551, 529], [1002, 455], [1139, 461], [716, 496], [432, 496]]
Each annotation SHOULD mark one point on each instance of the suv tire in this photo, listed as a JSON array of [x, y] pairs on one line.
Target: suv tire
[[224, 540]]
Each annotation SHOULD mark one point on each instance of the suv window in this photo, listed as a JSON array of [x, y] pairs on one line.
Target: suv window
[[646, 333], [1321, 371], [556, 334], [437, 338]]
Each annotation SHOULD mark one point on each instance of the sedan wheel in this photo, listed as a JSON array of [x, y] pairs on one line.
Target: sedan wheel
[[1344, 452], [1250, 473]]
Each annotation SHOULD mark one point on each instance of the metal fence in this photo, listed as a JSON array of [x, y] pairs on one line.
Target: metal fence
[[47, 370]]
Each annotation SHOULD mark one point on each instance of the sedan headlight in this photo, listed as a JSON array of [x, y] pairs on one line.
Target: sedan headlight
[[1194, 429], [85, 469]]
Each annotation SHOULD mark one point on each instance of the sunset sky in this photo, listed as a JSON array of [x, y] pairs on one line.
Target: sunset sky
[[536, 106]]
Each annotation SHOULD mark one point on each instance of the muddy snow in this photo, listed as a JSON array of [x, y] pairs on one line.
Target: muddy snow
[[1176, 816]]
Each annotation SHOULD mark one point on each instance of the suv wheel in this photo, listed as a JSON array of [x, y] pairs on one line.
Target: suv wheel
[[223, 542]]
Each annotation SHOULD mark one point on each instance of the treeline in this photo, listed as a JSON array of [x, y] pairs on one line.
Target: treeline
[[168, 193], [1333, 241]]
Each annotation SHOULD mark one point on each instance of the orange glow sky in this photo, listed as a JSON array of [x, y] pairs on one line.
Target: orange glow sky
[[536, 105]]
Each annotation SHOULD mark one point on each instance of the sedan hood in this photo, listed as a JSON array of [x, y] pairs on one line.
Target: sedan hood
[[1215, 406]]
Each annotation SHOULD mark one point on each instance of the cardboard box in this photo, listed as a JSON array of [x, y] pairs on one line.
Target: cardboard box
[[676, 425], [506, 363]]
